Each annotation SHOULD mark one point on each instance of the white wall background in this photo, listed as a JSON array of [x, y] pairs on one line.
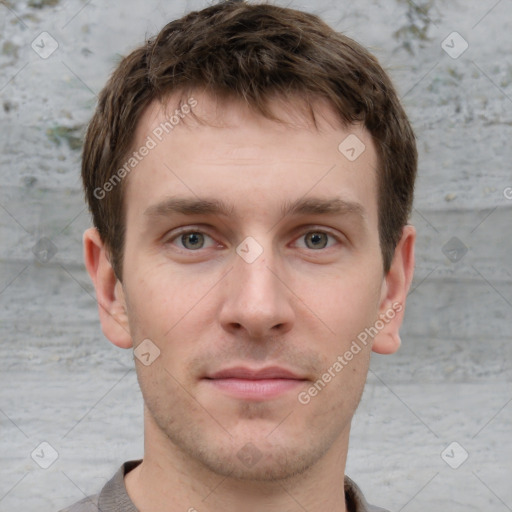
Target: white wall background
[[61, 382]]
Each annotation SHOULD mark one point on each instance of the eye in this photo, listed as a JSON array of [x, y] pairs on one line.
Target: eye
[[193, 240], [317, 239], [190, 240]]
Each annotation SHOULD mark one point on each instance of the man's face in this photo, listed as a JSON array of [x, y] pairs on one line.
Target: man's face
[[293, 297]]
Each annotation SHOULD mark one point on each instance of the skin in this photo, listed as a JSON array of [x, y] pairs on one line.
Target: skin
[[300, 304]]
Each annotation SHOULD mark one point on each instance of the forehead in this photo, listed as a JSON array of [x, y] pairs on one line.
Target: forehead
[[206, 146]]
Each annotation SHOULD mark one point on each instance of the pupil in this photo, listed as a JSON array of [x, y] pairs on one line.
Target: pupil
[[316, 238], [192, 239]]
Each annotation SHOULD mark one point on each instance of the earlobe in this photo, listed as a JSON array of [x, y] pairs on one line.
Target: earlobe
[[109, 291], [394, 293]]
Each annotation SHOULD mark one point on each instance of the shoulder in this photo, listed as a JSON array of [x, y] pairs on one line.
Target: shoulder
[[112, 497], [89, 504], [373, 508], [356, 501]]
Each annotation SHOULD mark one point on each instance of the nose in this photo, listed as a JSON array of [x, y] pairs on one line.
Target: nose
[[257, 298]]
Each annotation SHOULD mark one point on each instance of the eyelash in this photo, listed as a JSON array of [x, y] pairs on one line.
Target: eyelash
[[195, 231]]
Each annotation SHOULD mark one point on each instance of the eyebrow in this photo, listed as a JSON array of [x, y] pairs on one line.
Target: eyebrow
[[211, 206]]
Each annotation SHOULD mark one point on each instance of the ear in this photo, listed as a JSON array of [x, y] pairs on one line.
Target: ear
[[109, 290], [395, 287]]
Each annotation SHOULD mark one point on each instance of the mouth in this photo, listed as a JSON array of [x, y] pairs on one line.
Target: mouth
[[261, 384]]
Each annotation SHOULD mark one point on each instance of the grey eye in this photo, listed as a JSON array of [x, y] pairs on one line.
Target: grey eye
[[192, 240], [317, 239]]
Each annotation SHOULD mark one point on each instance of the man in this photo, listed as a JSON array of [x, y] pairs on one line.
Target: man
[[250, 173]]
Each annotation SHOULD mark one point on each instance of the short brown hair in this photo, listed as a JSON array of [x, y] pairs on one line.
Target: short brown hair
[[252, 52]]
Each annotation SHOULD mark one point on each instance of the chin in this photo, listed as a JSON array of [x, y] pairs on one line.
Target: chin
[[272, 463]]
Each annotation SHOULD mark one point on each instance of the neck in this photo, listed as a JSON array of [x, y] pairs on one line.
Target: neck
[[169, 480]]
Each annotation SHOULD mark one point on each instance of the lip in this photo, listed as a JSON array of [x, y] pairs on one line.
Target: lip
[[249, 384], [240, 372]]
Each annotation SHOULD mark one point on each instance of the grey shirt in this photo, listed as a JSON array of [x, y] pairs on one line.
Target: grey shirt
[[114, 498]]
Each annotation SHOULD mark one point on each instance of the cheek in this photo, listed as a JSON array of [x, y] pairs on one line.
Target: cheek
[[348, 304], [161, 300]]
